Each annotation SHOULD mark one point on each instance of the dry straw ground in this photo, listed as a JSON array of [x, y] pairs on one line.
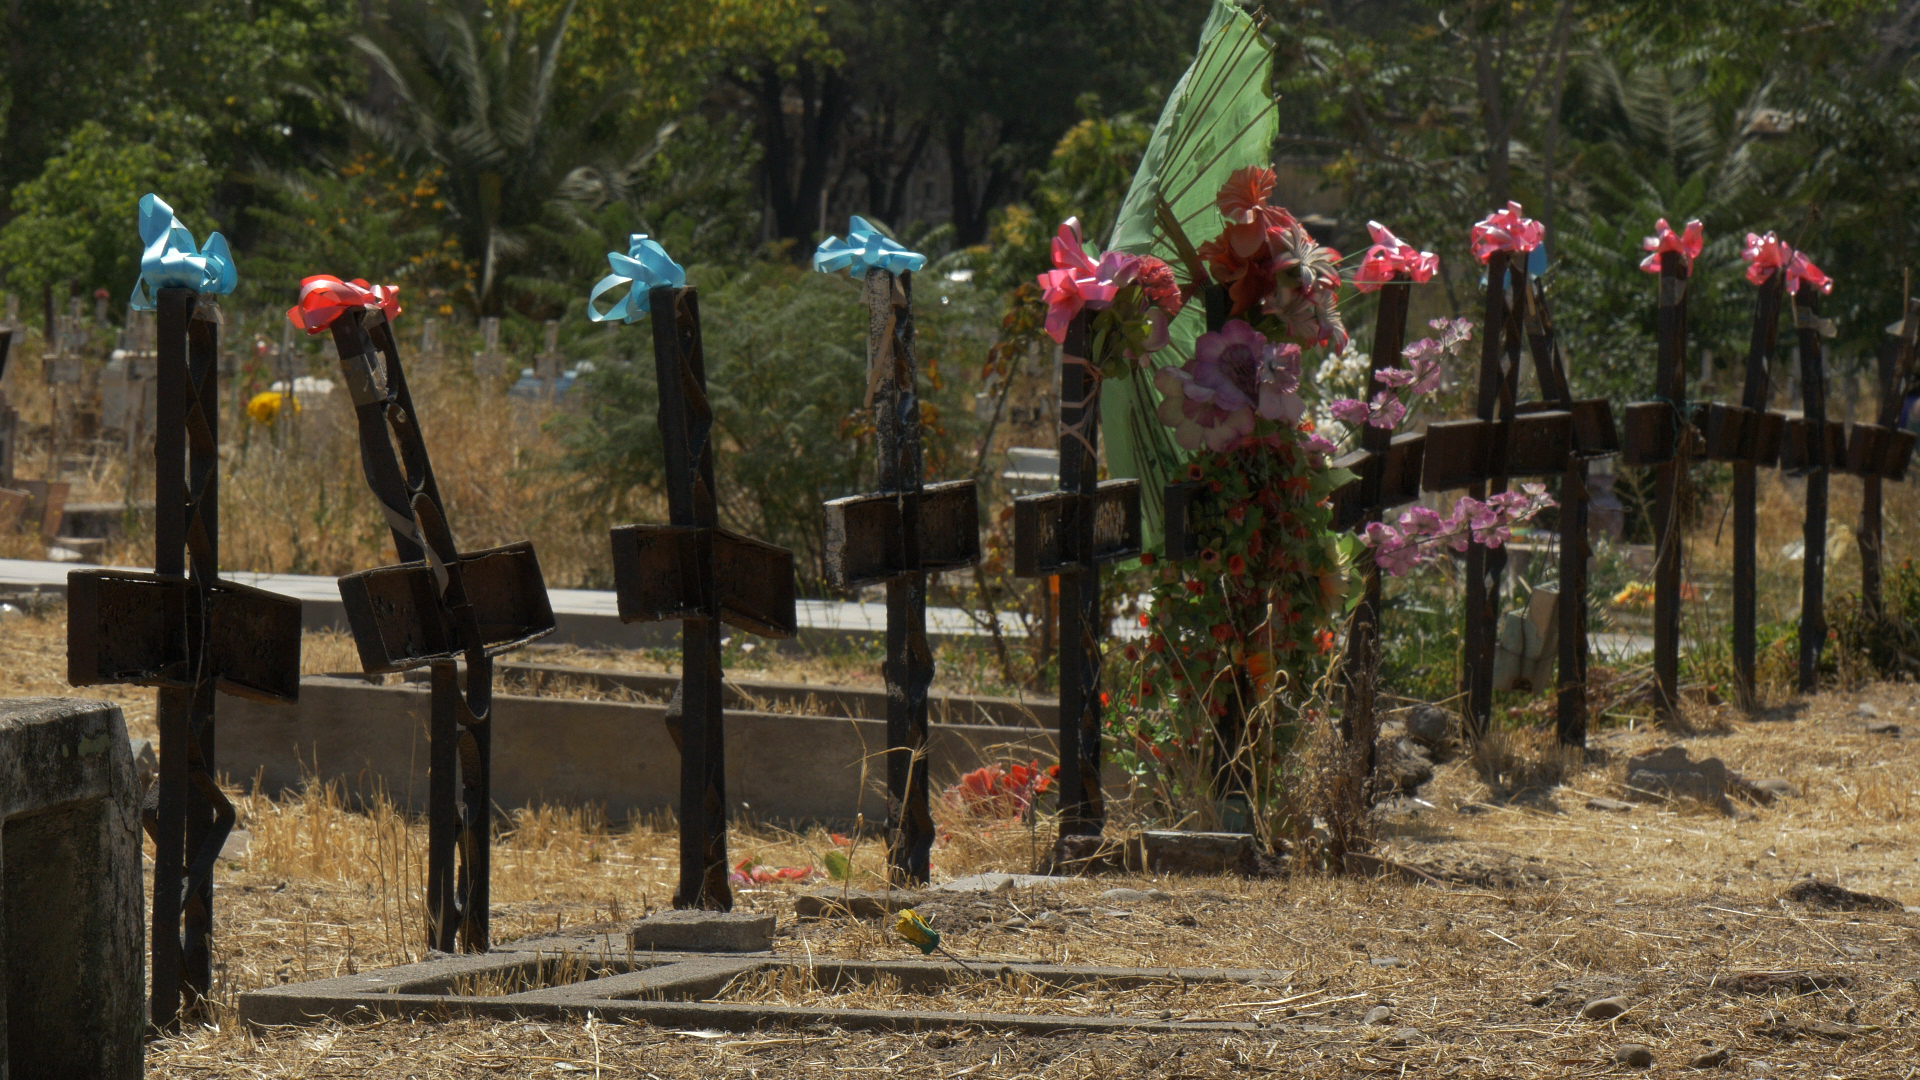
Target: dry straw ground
[[1546, 904]]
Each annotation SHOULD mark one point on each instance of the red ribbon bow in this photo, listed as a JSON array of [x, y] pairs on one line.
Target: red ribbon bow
[[1506, 230], [1689, 244], [324, 298], [1767, 254], [1389, 256]]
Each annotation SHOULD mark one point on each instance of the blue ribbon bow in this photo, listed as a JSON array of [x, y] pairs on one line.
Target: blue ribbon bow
[[864, 249], [173, 261], [646, 266]]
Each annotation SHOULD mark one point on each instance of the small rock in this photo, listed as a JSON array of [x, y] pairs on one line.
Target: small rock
[[1206, 854], [1378, 1015], [939, 1040], [859, 903], [1159, 894], [1866, 709], [1405, 1036], [1049, 920], [1884, 727], [1667, 773], [1634, 1055], [1605, 1008], [1713, 1059], [1124, 896], [1779, 789], [1611, 806], [1403, 767], [1432, 726], [1186, 920], [1388, 962], [1475, 808]]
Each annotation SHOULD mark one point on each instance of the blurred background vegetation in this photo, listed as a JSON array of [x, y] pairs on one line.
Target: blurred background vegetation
[[484, 157]]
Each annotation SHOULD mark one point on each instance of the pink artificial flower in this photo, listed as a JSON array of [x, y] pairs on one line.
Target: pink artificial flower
[[1074, 283], [1426, 376], [1453, 331], [1393, 376], [1387, 410], [1390, 256], [1394, 552], [1349, 411], [1506, 230], [1423, 520], [1766, 254], [1688, 244], [1317, 443]]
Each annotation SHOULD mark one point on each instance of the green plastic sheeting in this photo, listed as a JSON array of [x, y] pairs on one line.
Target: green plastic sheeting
[[1219, 118]]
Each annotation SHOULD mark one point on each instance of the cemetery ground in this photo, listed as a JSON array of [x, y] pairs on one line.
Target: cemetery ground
[[1542, 902]]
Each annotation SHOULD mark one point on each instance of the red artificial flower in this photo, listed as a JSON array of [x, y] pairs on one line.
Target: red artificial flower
[[1222, 632], [1146, 559], [1236, 565], [1390, 257], [1506, 230], [1245, 194], [1324, 639], [1687, 244], [324, 298], [1237, 513]]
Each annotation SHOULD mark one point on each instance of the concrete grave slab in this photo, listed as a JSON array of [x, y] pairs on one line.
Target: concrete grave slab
[[73, 999], [702, 931]]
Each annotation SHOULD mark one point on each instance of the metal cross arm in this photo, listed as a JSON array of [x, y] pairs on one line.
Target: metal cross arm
[[1393, 475], [865, 534], [129, 628], [1735, 433], [1462, 453], [657, 578], [1046, 529], [1875, 450]]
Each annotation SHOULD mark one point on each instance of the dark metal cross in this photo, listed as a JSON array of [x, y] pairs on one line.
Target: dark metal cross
[[1594, 437], [697, 572], [189, 633], [1748, 437], [899, 535], [1073, 531], [1812, 446], [437, 607], [1482, 454], [1656, 437], [1881, 450]]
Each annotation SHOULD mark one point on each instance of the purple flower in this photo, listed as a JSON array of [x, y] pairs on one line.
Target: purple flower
[[1349, 410], [1393, 552], [1426, 376], [1387, 411], [1423, 520], [1393, 376], [1317, 444]]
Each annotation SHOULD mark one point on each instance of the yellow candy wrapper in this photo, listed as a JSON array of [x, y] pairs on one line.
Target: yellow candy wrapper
[[916, 931]]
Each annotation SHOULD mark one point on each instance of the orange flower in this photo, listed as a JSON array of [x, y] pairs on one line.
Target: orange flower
[[1244, 193]]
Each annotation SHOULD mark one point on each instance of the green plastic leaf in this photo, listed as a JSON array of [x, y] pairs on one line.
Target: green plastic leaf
[[839, 867]]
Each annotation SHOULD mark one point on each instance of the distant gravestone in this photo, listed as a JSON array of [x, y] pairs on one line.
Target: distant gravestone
[[73, 1002]]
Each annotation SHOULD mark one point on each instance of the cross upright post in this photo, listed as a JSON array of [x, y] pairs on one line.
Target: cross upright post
[[1880, 451], [1817, 461], [1072, 532], [899, 535], [695, 571], [437, 608], [182, 628]]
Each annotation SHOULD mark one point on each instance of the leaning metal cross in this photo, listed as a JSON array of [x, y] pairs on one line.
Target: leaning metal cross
[[1072, 532], [437, 607], [1747, 436], [899, 535], [697, 572], [1812, 446], [1483, 454], [1594, 436], [186, 631]]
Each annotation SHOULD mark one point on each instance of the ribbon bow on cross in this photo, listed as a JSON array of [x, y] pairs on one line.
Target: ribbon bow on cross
[[173, 261], [1766, 254], [1688, 244], [1506, 230], [324, 298], [1389, 256], [864, 249], [645, 267]]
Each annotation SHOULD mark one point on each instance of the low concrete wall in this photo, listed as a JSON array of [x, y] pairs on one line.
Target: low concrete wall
[[576, 753]]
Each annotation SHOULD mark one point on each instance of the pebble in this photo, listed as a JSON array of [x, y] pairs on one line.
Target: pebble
[[1605, 1008], [1865, 709], [1634, 1055], [1124, 896], [1388, 962], [1049, 920], [1612, 806], [1884, 727], [1377, 1015], [1404, 1036], [1713, 1059]]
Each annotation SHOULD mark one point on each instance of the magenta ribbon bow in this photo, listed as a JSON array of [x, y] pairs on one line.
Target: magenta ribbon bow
[[1389, 256], [1076, 282], [1689, 244], [1506, 230], [1766, 254]]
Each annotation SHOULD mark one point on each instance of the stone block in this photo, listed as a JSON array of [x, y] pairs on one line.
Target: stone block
[[1666, 773], [702, 931], [1203, 853], [855, 903], [73, 998]]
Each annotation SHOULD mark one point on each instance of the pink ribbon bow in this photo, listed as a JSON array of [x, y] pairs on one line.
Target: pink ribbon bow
[[1391, 255], [324, 298], [1766, 254], [1689, 244], [1506, 230], [1076, 281]]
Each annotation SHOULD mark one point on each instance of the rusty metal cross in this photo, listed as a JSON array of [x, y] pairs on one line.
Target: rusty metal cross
[[1812, 446], [695, 571], [438, 607], [189, 633], [1881, 451], [1072, 532], [899, 535]]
